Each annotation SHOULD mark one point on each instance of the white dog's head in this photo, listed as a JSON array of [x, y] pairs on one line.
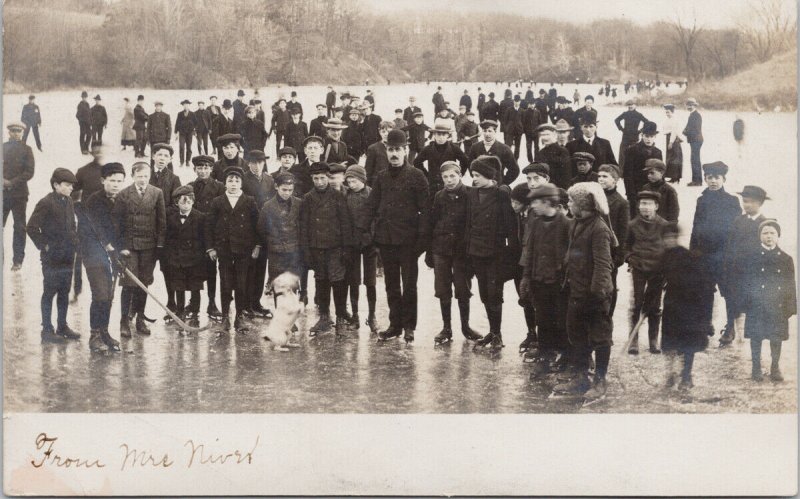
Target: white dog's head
[[286, 283]]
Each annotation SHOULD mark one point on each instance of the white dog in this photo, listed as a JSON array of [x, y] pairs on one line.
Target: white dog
[[288, 306]]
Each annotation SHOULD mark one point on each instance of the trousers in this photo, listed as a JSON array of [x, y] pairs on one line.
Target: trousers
[[16, 206], [400, 277]]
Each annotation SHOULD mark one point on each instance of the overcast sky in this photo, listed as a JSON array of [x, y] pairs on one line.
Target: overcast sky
[[710, 13]]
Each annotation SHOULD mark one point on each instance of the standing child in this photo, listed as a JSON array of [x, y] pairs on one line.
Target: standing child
[[286, 157], [53, 231], [646, 249], [186, 253], [521, 205], [296, 132], [583, 163], [399, 121], [279, 228], [668, 208], [687, 319], [618, 218], [357, 194], [770, 299], [336, 175], [469, 131], [417, 135]]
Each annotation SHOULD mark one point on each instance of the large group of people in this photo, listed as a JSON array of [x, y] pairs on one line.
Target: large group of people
[[357, 196]]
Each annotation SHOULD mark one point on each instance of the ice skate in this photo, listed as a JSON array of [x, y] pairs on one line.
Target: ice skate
[[391, 332], [445, 336]]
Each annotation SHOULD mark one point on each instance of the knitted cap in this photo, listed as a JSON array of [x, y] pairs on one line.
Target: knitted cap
[[487, 166], [357, 172], [589, 196]]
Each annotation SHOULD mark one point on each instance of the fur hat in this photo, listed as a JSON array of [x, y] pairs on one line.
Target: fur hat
[[589, 196], [357, 172], [487, 166]]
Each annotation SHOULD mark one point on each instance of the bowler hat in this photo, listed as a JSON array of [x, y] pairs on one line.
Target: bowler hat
[[228, 138], [202, 160], [489, 124], [240, 93], [233, 170], [157, 147], [97, 97], [562, 126], [654, 164], [543, 191], [655, 196], [16, 125], [486, 165], [583, 156], [649, 128], [715, 168], [562, 100], [109, 169], [184, 190], [537, 168], [283, 178], [185, 101], [754, 192], [63, 175], [669, 107], [516, 98], [84, 94], [256, 155], [396, 138], [335, 124], [226, 104], [319, 167], [491, 95], [288, 150]]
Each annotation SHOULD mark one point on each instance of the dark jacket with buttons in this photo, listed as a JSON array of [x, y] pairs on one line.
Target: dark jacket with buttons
[[417, 135], [232, 230], [325, 221], [448, 221], [279, 225], [84, 113], [694, 128], [557, 158], [254, 136], [510, 167], [399, 206], [492, 227], [302, 178], [547, 243], [186, 242], [261, 188], [355, 203], [668, 208], [159, 128], [205, 191], [589, 263], [436, 154], [167, 182], [96, 229], [18, 167], [600, 149], [743, 242], [646, 243], [140, 220], [223, 163], [769, 294], [370, 129], [139, 118], [635, 157], [713, 219], [52, 229], [99, 116], [184, 123]]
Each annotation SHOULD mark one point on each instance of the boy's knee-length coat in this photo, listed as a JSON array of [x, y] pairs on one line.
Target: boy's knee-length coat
[[770, 296]]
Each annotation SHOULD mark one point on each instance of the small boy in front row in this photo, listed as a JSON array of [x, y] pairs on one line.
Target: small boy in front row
[[770, 299], [356, 195], [52, 229], [186, 253]]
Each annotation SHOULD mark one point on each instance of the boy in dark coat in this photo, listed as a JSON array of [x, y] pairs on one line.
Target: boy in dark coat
[[630, 130], [140, 127], [669, 208], [185, 129], [205, 189], [636, 157], [554, 155], [447, 255], [770, 299], [32, 117], [313, 147], [296, 133], [713, 218], [441, 149], [645, 250], [356, 195], [468, 132], [140, 217], [98, 239], [353, 136], [163, 178], [316, 126], [588, 274], [99, 121], [202, 125], [186, 253], [260, 185], [52, 229], [583, 164], [377, 159], [233, 242], [588, 141], [254, 136], [326, 238], [370, 126], [492, 241], [508, 171], [280, 119], [279, 228], [159, 126], [618, 218], [417, 135], [543, 271], [521, 206], [742, 243], [229, 143], [686, 322]]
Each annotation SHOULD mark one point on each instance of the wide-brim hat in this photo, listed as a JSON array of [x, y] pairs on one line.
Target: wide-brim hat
[[185, 101], [562, 126], [226, 104], [16, 125], [546, 126], [335, 124], [754, 192], [441, 128], [691, 101]]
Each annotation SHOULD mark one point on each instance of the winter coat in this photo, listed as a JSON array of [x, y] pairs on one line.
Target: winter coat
[[377, 161], [159, 128], [260, 188], [438, 102], [219, 168], [325, 221], [435, 155], [589, 176], [668, 207], [330, 99], [232, 231], [222, 125], [279, 225], [167, 182], [531, 119], [400, 123], [302, 178], [567, 114], [31, 115], [557, 158], [619, 219], [369, 129], [399, 207], [769, 295], [335, 151], [694, 128], [317, 126], [582, 115], [630, 130], [491, 110], [96, 229], [184, 123], [280, 119], [205, 191], [492, 230], [417, 135], [635, 157], [600, 149], [465, 100], [84, 113], [713, 219], [688, 302], [238, 112], [254, 137], [646, 243], [52, 229], [742, 243], [408, 113], [141, 222], [547, 243], [589, 263], [448, 221], [294, 107], [355, 203], [354, 139], [202, 121], [505, 105], [296, 133], [128, 134], [512, 123], [186, 243], [139, 118], [502, 152], [18, 167], [99, 116]]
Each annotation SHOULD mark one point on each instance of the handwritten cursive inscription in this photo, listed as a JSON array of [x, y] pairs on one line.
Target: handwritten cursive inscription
[[45, 443], [134, 458], [201, 455]]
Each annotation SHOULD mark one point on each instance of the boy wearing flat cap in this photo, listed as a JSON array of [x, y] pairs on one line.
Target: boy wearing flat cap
[[185, 129], [588, 141], [669, 207], [279, 229], [520, 203], [159, 126], [186, 253], [742, 243], [52, 229], [554, 155], [618, 218], [447, 255], [713, 219], [583, 162], [440, 150], [417, 135], [98, 239], [646, 248], [636, 157], [231, 235], [229, 143], [326, 239]]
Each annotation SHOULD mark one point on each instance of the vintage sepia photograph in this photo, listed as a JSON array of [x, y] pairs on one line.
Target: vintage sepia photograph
[[364, 212]]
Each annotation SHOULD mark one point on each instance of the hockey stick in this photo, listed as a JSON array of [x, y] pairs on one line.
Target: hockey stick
[[634, 331]]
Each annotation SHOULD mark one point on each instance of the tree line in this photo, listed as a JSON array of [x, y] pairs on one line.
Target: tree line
[[203, 43]]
